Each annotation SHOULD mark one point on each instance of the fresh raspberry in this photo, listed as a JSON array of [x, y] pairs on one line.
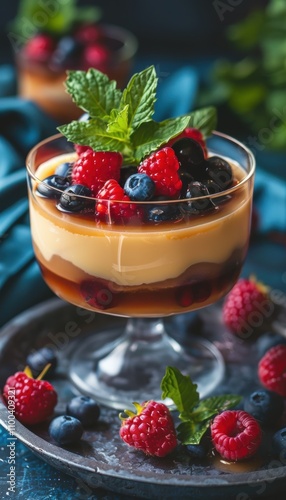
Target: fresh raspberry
[[235, 434], [96, 56], [81, 149], [88, 33], [272, 369], [162, 166], [116, 211], [246, 308], [40, 47], [193, 133], [151, 430], [33, 399], [93, 169]]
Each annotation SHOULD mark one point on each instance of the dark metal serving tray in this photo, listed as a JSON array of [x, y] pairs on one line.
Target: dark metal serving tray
[[102, 459]]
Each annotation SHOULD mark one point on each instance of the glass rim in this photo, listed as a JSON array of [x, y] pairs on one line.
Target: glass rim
[[215, 133]]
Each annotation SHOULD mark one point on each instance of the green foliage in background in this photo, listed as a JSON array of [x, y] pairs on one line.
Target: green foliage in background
[[254, 86], [53, 16]]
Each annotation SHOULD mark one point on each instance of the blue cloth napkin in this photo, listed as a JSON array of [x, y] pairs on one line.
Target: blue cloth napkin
[[23, 125]]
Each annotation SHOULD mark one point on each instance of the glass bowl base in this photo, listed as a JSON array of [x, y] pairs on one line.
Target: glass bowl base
[[117, 371]]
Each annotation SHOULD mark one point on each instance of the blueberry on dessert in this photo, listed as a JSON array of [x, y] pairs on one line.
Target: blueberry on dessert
[[52, 186]]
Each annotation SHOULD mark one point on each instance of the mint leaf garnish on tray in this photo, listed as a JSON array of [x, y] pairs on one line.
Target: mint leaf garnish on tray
[[122, 120], [195, 414]]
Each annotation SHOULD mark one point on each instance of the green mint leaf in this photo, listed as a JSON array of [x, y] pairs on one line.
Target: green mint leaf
[[151, 135], [204, 119], [219, 403], [191, 432], [83, 133], [140, 96], [122, 121], [180, 389], [93, 92]]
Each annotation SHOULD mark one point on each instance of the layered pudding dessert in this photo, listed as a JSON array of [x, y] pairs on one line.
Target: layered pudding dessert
[[164, 236]]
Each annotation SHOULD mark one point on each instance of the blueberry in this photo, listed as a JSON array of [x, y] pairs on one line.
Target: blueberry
[[64, 169], [52, 186], [85, 409], [67, 52], [164, 213], [220, 171], [279, 444], [266, 406], [140, 187], [186, 179], [197, 189], [38, 360], [197, 451], [73, 199], [66, 429], [189, 153]]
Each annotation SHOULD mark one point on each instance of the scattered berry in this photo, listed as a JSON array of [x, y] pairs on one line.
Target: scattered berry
[[191, 157], [52, 186], [151, 430], [85, 409], [246, 308], [139, 187], [76, 198], [93, 169], [219, 171], [162, 166], [196, 451], [109, 207], [236, 435], [39, 359], [164, 213], [279, 444], [192, 133], [40, 47], [196, 190], [78, 147], [66, 430], [272, 369], [67, 53], [64, 169], [97, 56], [265, 406], [34, 399]]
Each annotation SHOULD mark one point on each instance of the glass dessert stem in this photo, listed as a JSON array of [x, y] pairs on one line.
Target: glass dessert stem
[[130, 367]]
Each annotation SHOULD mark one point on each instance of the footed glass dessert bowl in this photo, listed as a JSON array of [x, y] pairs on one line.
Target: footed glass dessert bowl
[[165, 237]]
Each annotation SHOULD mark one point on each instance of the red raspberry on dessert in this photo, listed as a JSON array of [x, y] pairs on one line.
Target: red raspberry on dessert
[[40, 47], [81, 149], [151, 430], [236, 435], [272, 369], [162, 166], [246, 308], [116, 212], [192, 133], [33, 399], [93, 169]]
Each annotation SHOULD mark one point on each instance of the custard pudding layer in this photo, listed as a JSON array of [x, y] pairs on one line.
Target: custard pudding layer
[[132, 256]]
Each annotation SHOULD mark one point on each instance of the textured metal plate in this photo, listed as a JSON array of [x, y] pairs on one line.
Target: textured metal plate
[[102, 459]]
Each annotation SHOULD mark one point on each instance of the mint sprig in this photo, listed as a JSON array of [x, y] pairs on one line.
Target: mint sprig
[[123, 121], [195, 414]]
